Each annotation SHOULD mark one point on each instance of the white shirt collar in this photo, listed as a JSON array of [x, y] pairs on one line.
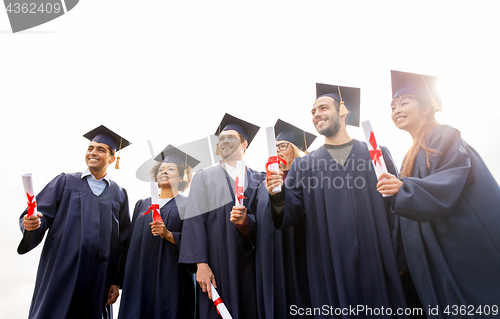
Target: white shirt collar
[[87, 172], [232, 171]]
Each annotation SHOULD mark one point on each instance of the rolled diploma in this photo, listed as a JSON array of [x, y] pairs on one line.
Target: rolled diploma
[[379, 169], [28, 188], [271, 150], [154, 198], [221, 307], [240, 173]]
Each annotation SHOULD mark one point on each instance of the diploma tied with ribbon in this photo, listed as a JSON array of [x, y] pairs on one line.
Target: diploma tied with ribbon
[[221, 307], [273, 160], [239, 184], [375, 151], [28, 190], [154, 209]]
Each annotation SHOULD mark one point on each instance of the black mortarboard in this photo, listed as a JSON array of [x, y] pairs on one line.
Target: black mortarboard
[[418, 84], [284, 131], [247, 130], [104, 135], [349, 95], [172, 154]]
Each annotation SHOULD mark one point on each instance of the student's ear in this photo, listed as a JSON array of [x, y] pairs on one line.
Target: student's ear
[[112, 159]]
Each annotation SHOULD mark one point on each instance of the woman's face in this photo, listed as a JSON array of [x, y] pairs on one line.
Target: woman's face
[[407, 113], [285, 151], [168, 176]]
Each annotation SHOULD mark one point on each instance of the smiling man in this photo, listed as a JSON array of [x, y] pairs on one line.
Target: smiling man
[[87, 221], [351, 260], [210, 239]]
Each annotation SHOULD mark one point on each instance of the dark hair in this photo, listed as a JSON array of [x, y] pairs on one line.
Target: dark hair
[[183, 185], [111, 151], [421, 140]]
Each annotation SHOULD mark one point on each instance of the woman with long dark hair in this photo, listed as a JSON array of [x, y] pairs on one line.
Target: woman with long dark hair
[[450, 208]]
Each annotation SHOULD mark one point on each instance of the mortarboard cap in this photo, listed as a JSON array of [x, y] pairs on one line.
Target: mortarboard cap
[[246, 129], [172, 154], [288, 132], [349, 95], [418, 84], [104, 135]]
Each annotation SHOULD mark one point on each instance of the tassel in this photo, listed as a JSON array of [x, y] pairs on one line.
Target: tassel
[[343, 110], [435, 105], [185, 178], [217, 149], [117, 165]]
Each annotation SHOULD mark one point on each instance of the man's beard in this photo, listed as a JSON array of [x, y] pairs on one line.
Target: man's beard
[[332, 130]]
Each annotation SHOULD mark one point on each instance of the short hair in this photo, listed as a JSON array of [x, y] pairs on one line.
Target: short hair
[[183, 185]]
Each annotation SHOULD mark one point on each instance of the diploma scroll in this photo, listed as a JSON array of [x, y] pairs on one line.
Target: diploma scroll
[[221, 307], [375, 151], [271, 149], [28, 189], [155, 203], [239, 185]]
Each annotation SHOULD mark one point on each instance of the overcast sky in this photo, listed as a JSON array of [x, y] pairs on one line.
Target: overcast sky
[[167, 71]]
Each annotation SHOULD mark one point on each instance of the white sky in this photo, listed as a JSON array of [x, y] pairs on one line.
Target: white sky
[[167, 71]]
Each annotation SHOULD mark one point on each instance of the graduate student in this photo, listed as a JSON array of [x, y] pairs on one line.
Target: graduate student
[[449, 206], [351, 259], [210, 239], [87, 218], [155, 285], [280, 256]]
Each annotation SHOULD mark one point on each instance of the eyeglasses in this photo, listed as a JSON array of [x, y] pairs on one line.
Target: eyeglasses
[[283, 146]]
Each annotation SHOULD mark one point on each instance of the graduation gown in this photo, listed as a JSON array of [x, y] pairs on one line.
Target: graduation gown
[[210, 237], [351, 258], [280, 260], [84, 251], [451, 225], [155, 285]]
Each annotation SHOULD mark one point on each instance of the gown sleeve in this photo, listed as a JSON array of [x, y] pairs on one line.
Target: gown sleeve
[[293, 198], [436, 194], [124, 237], [194, 248], [393, 219], [47, 203]]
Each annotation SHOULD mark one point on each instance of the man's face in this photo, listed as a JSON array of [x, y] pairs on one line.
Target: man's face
[[229, 143], [98, 156], [325, 116]]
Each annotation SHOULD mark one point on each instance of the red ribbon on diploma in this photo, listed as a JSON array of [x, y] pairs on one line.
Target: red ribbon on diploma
[[31, 204], [238, 190], [156, 215], [216, 303], [273, 160], [375, 153]]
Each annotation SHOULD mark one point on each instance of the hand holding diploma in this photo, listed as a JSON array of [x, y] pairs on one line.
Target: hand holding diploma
[[273, 159], [375, 152], [275, 180], [239, 184], [388, 184], [32, 218], [205, 278], [238, 215], [221, 307]]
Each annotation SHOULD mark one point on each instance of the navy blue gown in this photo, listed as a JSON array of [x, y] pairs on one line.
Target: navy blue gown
[[451, 226], [280, 260], [210, 237], [155, 285], [84, 251], [352, 249]]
